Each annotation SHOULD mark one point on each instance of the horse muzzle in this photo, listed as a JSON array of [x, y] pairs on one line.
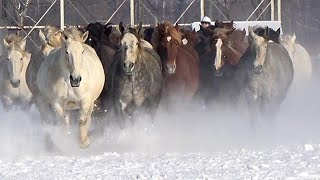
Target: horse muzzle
[[218, 73], [128, 68], [171, 68], [75, 82], [257, 69], [15, 83]]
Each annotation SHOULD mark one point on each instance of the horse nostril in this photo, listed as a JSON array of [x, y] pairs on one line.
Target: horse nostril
[[131, 65], [79, 79]]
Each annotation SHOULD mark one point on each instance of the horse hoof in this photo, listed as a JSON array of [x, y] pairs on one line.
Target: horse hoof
[[85, 144]]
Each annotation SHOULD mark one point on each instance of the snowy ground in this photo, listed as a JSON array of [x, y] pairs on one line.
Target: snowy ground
[[188, 145]]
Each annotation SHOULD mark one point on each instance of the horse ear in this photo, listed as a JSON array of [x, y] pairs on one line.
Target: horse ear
[[121, 27], [177, 27], [278, 32], [107, 30], [6, 44], [42, 37], [139, 27], [293, 39], [85, 36], [251, 33], [23, 44], [216, 23]]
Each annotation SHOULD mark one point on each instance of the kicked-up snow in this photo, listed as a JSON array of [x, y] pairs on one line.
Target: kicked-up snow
[[190, 144]]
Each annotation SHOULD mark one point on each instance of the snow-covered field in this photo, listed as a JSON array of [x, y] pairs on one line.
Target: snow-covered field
[[187, 145]]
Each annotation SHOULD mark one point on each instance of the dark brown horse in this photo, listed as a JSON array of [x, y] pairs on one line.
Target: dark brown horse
[[105, 40], [180, 63], [220, 51]]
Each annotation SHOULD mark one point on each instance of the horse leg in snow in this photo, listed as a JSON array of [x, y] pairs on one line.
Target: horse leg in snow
[[62, 116], [85, 121], [7, 103], [119, 110]]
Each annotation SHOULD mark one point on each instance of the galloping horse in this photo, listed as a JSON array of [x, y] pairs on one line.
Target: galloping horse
[[13, 86], [71, 78], [301, 60], [136, 78], [50, 39], [264, 75], [180, 63]]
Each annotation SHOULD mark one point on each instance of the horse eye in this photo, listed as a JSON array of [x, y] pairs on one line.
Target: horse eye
[[20, 59], [82, 51], [67, 52], [7, 59]]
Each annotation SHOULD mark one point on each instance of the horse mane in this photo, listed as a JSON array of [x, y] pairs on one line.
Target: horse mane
[[14, 39], [73, 33], [173, 32], [14, 42]]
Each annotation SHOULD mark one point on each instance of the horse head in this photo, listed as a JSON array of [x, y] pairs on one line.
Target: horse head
[[171, 39], [260, 46], [74, 50], [95, 31], [289, 42], [221, 40], [50, 38], [16, 54], [130, 47]]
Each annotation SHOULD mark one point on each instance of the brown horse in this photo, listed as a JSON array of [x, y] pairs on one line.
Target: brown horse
[[230, 46], [180, 62]]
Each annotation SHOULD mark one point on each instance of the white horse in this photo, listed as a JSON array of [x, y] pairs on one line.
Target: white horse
[[72, 77], [300, 58], [13, 87], [50, 39]]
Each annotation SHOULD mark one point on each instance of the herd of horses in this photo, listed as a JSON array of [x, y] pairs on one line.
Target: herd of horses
[[129, 71]]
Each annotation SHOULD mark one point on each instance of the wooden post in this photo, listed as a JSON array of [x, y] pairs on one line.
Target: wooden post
[[201, 9], [272, 10], [62, 15], [131, 12]]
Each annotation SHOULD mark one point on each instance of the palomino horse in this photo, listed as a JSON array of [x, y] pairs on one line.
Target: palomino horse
[[71, 78], [264, 75], [136, 79], [180, 63], [13, 87], [50, 39], [300, 58]]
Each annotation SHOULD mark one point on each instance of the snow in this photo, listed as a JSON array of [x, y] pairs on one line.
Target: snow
[[195, 144]]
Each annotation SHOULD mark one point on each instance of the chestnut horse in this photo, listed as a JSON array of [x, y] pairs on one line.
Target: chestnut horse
[[180, 62]]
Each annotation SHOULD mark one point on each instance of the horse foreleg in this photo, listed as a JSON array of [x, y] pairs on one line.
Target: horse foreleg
[[7, 103], [85, 121], [62, 116]]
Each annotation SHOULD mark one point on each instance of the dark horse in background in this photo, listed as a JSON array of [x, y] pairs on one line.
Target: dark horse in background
[[180, 63], [220, 48], [136, 79], [105, 40]]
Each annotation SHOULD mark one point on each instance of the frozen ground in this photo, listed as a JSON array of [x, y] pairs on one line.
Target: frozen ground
[[188, 145]]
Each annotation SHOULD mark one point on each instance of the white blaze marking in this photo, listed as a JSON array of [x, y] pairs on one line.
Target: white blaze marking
[[184, 41], [169, 38]]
